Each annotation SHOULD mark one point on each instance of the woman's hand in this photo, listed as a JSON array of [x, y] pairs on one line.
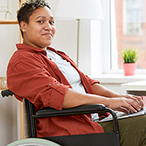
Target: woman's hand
[[126, 103], [136, 98]]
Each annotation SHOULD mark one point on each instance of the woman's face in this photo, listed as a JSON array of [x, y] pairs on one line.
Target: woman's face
[[40, 30]]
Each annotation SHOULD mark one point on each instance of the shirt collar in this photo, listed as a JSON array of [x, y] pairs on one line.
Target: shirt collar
[[33, 49]]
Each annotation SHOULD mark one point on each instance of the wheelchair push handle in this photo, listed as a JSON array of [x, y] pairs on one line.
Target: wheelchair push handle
[[7, 92]]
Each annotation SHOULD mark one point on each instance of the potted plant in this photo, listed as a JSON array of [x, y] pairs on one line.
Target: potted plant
[[130, 57]]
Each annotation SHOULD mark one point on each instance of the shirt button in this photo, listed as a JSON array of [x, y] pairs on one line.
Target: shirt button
[[50, 84], [55, 67], [99, 125], [44, 52]]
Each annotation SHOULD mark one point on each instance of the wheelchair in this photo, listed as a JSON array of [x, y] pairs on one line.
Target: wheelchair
[[99, 139]]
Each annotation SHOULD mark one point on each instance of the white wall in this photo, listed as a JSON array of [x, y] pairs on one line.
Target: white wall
[[5, 121], [66, 39], [9, 36]]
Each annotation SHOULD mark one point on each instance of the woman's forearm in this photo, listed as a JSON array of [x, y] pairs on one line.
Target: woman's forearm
[[73, 99], [102, 91]]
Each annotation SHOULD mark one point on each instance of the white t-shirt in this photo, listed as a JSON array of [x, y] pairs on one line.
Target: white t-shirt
[[68, 71]]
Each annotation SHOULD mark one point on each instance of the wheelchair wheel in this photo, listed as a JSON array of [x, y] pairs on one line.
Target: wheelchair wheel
[[33, 142]]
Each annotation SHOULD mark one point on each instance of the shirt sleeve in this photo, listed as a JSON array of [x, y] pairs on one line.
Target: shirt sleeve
[[29, 79], [91, 81]]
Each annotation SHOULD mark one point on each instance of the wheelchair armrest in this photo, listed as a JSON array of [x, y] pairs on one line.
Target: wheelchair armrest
[[84, 109]]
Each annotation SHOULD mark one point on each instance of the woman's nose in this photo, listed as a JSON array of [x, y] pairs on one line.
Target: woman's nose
[[48, 26]]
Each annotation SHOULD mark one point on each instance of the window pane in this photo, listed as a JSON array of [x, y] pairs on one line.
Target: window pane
[[128, 29]]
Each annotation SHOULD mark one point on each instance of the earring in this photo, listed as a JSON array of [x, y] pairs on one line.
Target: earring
[[23, 30]]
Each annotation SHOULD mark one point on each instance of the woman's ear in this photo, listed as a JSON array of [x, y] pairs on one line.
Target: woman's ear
[[23, 26]]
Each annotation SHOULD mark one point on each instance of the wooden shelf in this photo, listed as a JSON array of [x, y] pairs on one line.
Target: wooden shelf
[[8, 21]]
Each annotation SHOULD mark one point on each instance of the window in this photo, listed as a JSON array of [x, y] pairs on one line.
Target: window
[[128, 29], [133, 17]]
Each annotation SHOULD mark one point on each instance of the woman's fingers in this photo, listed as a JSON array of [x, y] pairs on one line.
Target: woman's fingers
[[135, 106], [138, 99], [122, 109], [131, 106], [125, 104]]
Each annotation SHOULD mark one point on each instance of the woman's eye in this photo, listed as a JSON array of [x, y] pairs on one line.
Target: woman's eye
[[40, 21], [51, 22]]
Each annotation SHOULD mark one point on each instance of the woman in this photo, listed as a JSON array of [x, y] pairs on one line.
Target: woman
[[48, 77]]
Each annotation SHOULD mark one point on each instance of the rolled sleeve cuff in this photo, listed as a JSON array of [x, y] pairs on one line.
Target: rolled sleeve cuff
[[92, 81], [56, 97]]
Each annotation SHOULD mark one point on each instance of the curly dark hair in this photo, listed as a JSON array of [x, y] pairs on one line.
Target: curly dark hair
[[28, 8]]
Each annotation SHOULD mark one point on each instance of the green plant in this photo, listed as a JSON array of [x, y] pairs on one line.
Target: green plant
[[129, 55]]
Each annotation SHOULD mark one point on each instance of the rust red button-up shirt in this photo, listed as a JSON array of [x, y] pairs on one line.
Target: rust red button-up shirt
[[31, 74]]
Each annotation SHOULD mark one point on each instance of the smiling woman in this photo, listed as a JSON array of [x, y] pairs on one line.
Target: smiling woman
[[40, 29]]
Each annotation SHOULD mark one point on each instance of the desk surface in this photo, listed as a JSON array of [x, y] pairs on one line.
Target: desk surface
[[133, 86], [139, 85]]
